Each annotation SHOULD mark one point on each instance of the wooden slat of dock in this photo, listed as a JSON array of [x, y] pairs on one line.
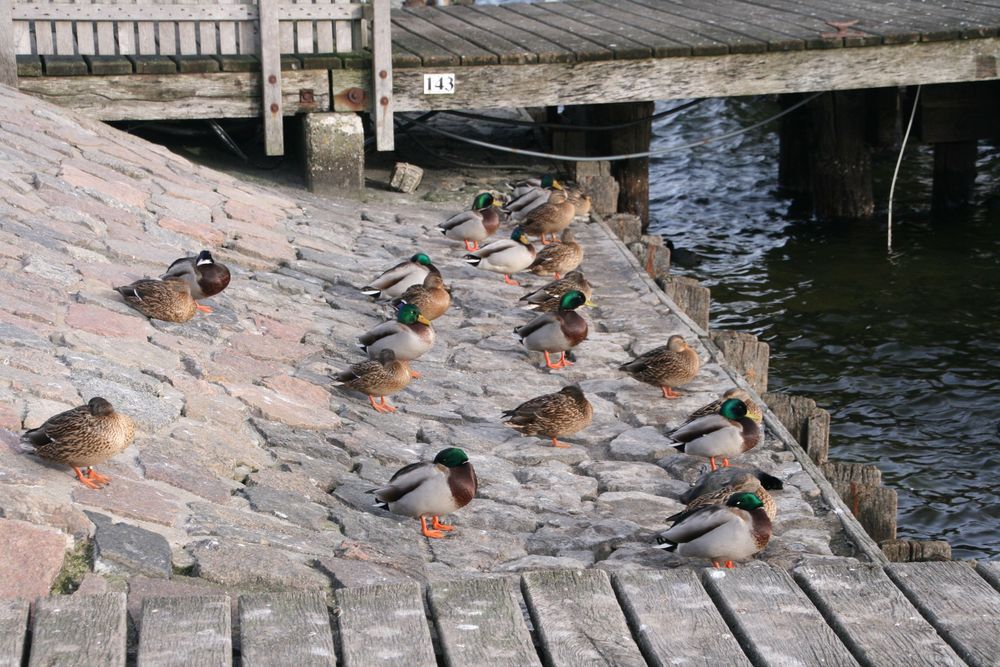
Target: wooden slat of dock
[[286, 629], [544, 50], [80, 631], [384, 625], [873, 617], [961, 605], [186, 632]]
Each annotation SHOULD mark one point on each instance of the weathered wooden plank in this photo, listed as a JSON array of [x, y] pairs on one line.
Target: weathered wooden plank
[[84, 630], [479, 622], [872, 617], [125, 34], [685, 78], [635, 29], [578, 621], [383, 93], [85, 43], [430, 53], [745, 29], [135, 11], [419, 23], [304, 33], [773, 619], [745, 354], [814, 19], [177, 96], [535, 21], [153, 64], [106, 38], [168, 38], [384, 625], [585, 23], [766, 25], [187, 38], [186, 632], [671, 15], [344, 40], [64, 65], [676, 620], [13, 631], [506, 51], [108, 65], [8, 47], [147, 37], [65, 43], [197, 64], [286, 629], [961, 606], [43, 38], [990, 571], [29, 66], [270, 65], [207, 36], [545, 51]]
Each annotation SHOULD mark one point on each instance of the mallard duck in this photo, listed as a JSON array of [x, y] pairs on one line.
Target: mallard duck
[[169, 300], [713, 480], [551, 218], [546, 298], [475, 225], [753, 410], [408, 336], [558, 258], [717, 486], [393, 281], [432, 297], [728, 433], [430, 490], [82, 438], [205, 277], [581, 201], [667, 366], [556, 332], [381, 377], [530, 194], [729, 532], [507, 256], [563, 413]]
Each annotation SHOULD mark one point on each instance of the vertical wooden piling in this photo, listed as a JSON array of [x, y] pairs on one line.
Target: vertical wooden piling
[[840, 159], [632, 175], [8, 62], [793, 149], [954, 175]]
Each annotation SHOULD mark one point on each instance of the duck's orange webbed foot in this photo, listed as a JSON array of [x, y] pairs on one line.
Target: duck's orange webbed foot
[[95, 476], [469, 246], [427, 532], [557, 276], [86, 480], [202, 308], [725, 462], [711, 462], [436, 524], [414, 374], [549, 363], [556, 443], [729, 564], [670, 393], [715, 563], [382, 405], [510, 281]]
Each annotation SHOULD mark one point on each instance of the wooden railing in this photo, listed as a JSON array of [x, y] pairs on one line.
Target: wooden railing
[[262, 28]]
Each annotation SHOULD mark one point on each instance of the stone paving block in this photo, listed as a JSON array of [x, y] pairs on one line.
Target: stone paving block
[[30, 558], [136, 500], [120, 548], [259, 567]]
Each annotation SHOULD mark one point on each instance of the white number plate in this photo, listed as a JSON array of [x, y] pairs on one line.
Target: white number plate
[[439, 84]]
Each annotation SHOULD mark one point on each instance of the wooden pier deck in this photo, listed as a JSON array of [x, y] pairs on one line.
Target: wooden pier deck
[[837, 613]]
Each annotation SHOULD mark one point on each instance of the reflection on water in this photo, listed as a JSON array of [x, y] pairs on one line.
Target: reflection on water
[[904, 350]]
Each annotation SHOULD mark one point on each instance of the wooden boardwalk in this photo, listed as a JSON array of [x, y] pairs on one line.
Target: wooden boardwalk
[[934, 614]]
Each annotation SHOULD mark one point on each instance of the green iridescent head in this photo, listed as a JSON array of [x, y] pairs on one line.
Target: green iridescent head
[[549, 181], [410, 314], [572, 300], [451, 457], [482, 201], [733, 408], [421, 258], [745, 501], [519, 236]]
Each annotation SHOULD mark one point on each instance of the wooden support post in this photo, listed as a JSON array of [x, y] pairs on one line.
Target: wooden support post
[[840, 166], [883, 117], [954, 175], [746, 355], [270, 72], [632, 175], [808, 424], [793, 151], [8, 62], [382, 97], [913, 551]]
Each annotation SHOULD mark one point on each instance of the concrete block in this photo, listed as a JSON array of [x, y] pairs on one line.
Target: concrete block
[[334, 146], [406, 177]]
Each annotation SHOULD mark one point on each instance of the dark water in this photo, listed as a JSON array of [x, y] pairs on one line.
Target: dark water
[[903, 348]]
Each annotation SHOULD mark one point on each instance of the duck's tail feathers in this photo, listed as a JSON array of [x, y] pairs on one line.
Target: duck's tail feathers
[[370, 291], [665, 544], [679, 446], [770, 482], [472, 259]]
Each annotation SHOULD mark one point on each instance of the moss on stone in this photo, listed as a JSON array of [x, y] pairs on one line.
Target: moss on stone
[[77, 563]]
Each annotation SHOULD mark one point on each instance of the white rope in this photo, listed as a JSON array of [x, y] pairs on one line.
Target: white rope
[[899, 161], [629, 156]]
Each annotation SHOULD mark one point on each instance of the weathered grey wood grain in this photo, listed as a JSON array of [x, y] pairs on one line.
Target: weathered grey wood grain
[[746, 29], [872, 617], [678, 623], [637, 30], [546, 51], [84, 630], [960, 604], [13, 631], [506, 51], [479, 622], [8, 47], [286, 629], [419, 23], [680, 78], [746, 354], [384, 625], [582, 21], [578, 620], [271, 85], [990, 571], [536, 20], [773, 619], [384, 102], [186, 632]]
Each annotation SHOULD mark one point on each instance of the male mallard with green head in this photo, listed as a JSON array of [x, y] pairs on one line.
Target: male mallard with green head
[[558, 258], [433, 298], [546, 298], [169, 300], [556, 332], [563, 413], [728, 433], [729, 532], [430, 490], [753, 410], [475, 225], [717, 487], [382, 376], [393, 281], [205, 277], [506, 256], [82, 438], [667, 366], [408, 336]]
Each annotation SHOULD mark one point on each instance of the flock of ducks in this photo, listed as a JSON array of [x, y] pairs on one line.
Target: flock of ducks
[[729, 510]]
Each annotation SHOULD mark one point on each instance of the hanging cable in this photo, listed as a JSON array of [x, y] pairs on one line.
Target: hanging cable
[[628, 156], [899, 161], [458, 163], [570, 126]]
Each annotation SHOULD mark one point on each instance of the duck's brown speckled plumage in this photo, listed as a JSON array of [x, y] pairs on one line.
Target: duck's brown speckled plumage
[[745, 482], [433, 298], [551, 217], [563, 413], [383, 376], [546, 298], [753, 410], [169, 299], [84, 436], [558, 258], [670, 365]]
